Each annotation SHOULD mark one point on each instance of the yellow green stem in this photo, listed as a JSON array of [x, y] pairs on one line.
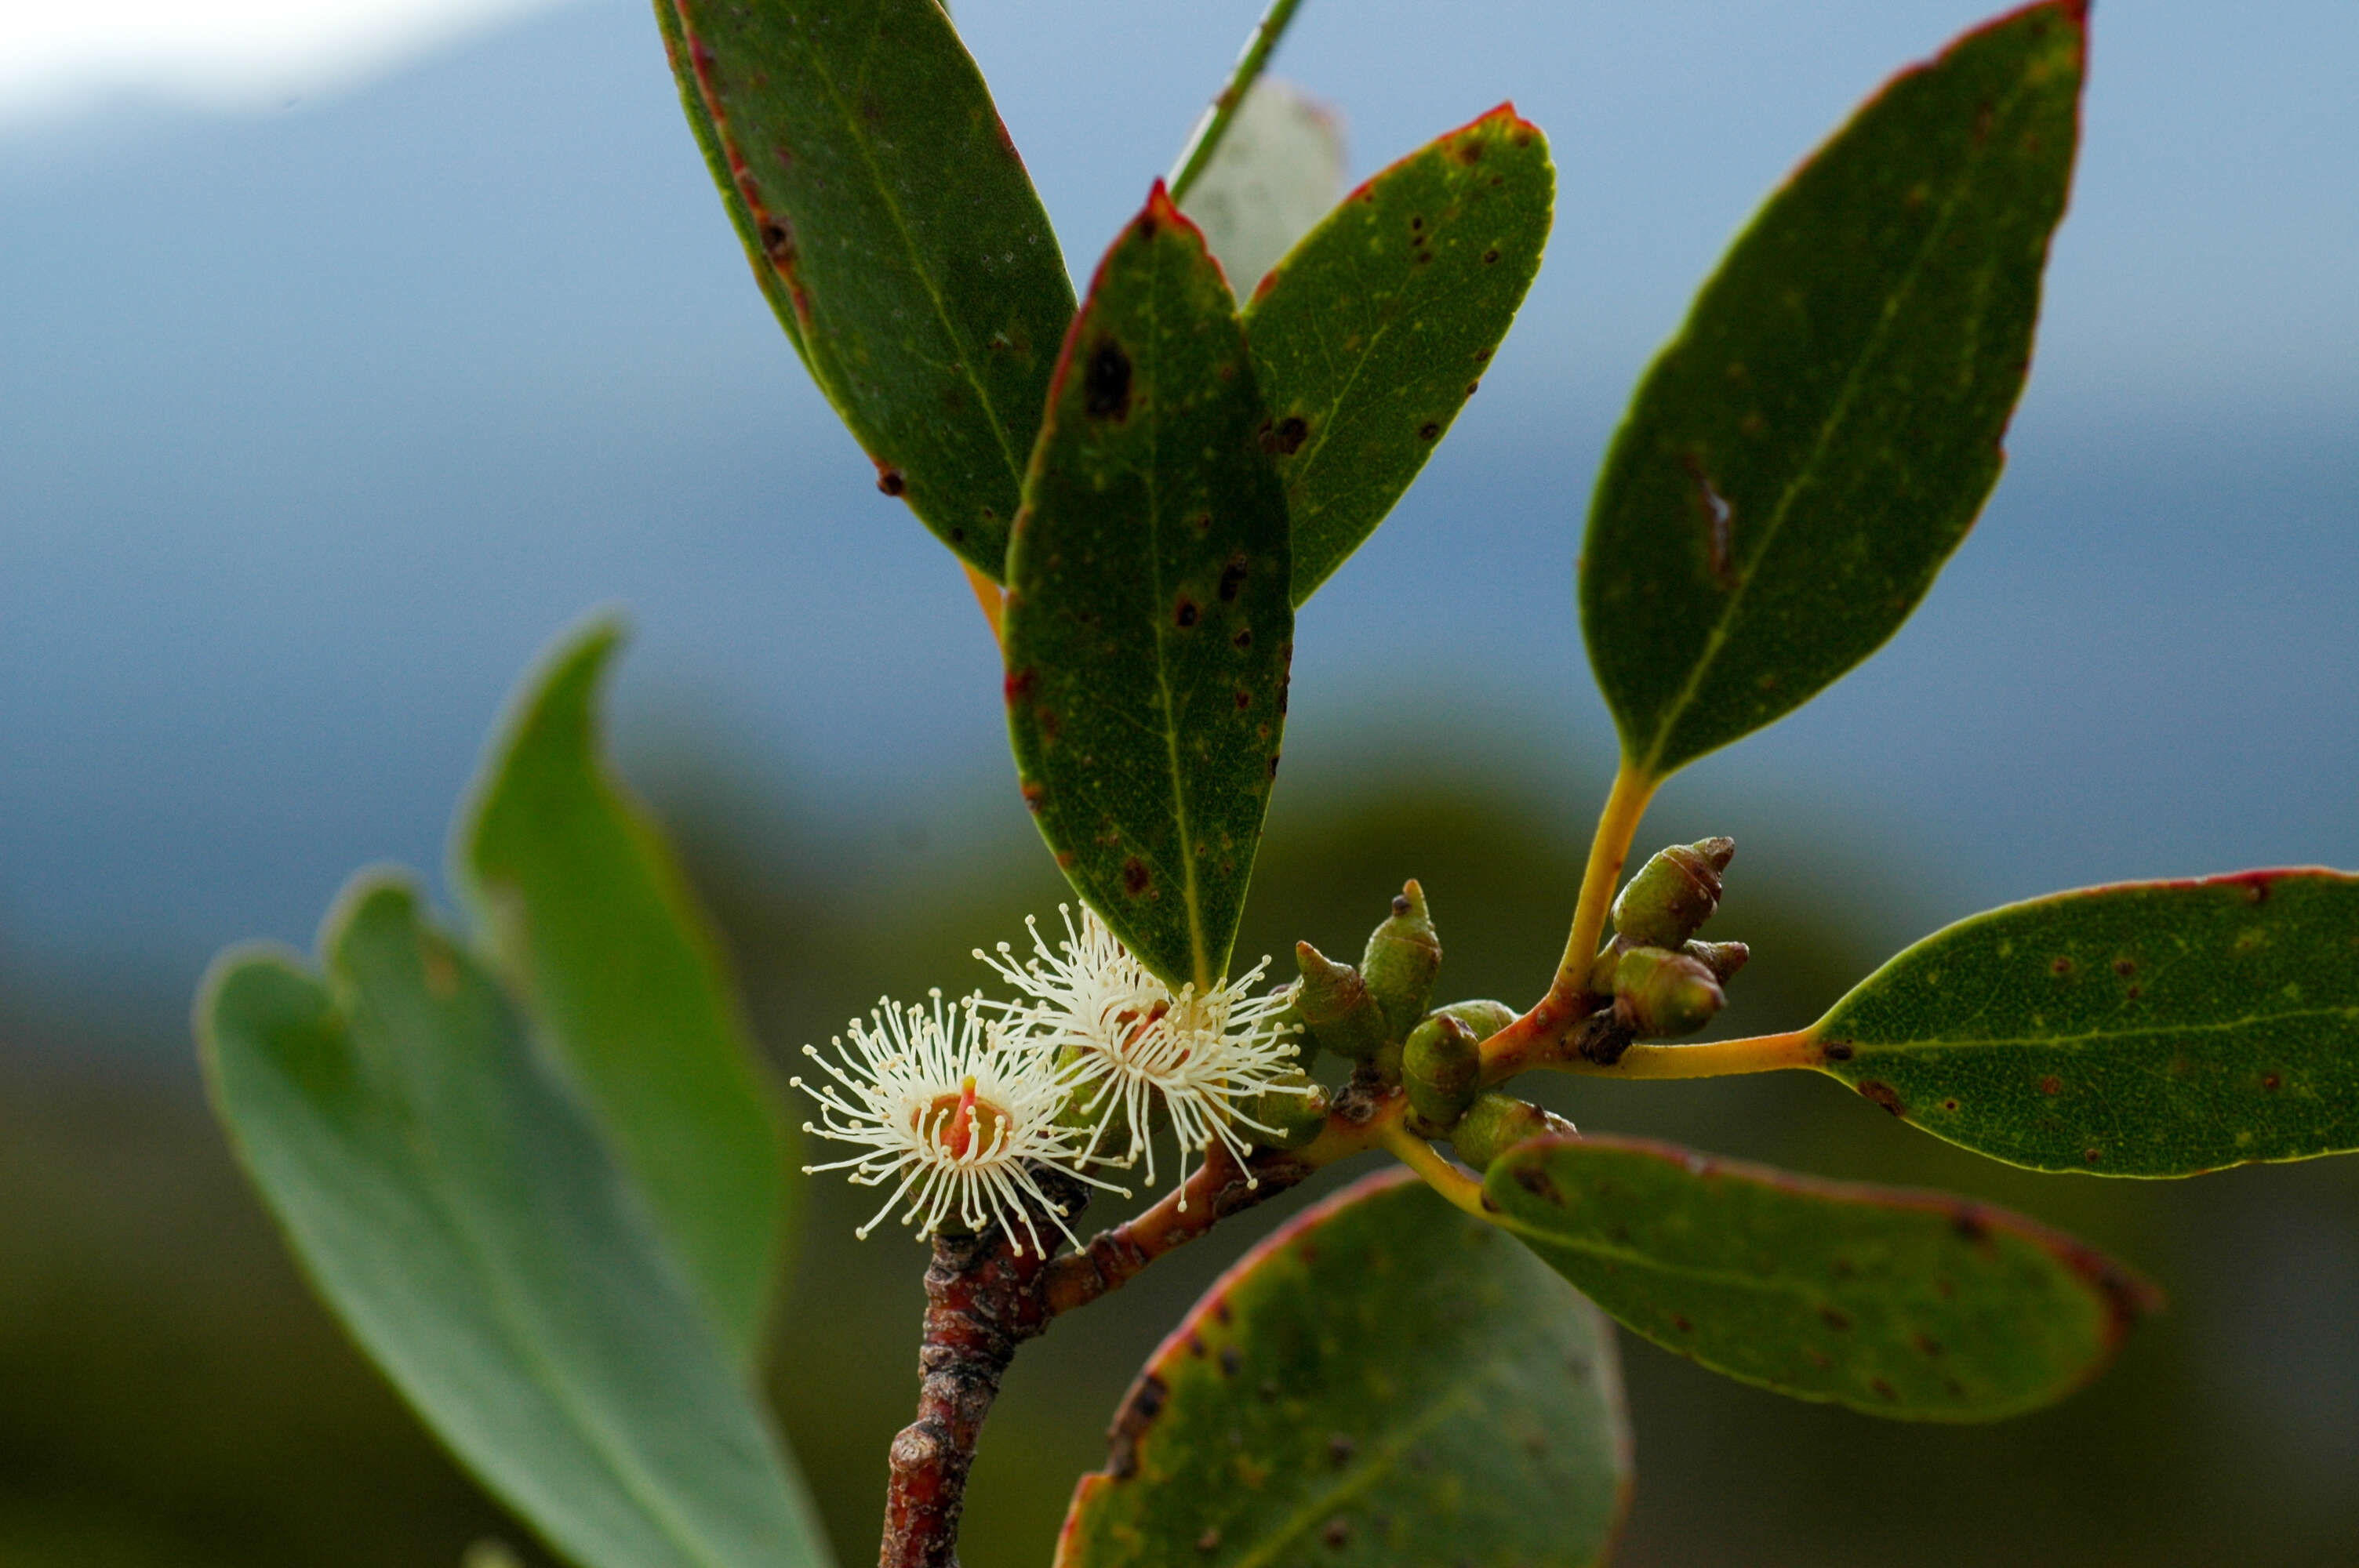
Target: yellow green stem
[[1719, 1059], [1617, 824], [1459, 1186], [1205, 140], [990, 596]]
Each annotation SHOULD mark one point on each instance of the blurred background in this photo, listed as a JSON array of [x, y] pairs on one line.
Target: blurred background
[[347, 353]]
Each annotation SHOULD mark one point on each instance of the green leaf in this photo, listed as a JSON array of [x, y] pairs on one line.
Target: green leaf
[[2153, 1029], [1279, 169], [1913, 1304], [596, 924], [886, 198], [716, 163], [457, 1209], [1370, 336], [1147, 628], [1385, 1380], [1817, 441]]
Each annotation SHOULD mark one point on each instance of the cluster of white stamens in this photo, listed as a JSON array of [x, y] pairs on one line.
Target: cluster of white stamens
[[955, 1108]]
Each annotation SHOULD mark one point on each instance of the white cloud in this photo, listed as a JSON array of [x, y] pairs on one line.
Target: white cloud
[[55, 54]]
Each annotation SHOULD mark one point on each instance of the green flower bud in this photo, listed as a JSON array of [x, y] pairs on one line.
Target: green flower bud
[[1442, 1067], [1660, 994], [1674, 893], [1335, 1006], [1722, 958], [1402, 959], [1497, 1122], [1486, 1018], [1298, 1117]]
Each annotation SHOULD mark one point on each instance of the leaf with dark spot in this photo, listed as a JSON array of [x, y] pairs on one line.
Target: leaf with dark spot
[[1363, 338], [1802, 459], [895, 231], [1147, 601], [2148, 1029], [1823, 1290], [1479, 1422]]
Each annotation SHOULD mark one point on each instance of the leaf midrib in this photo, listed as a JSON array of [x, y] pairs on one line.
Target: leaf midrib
[[2107, 1036], [909, 241], [1717, 637]]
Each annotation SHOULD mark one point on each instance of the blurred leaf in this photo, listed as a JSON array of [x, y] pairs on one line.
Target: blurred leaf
[[1147, 628], [1809, 450], [1370, 336], [454, 1205], [2151, 1029], [1384, 1381], [1280, 168], [594, 924], [732, 200], [888, 201], [1913, 1304]]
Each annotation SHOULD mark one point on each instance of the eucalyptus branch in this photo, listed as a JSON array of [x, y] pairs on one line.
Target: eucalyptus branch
[[1205, 139], [1617, 824]]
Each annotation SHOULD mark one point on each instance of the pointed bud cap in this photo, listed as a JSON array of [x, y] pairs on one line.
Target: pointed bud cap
[[1335, 1005], [1403, 956], [1497, 1122], [1442, 1067], [1674, 893], [1722, 958], [1659, 994]]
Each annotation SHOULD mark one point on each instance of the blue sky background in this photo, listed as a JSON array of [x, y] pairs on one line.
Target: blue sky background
[[316, 421]]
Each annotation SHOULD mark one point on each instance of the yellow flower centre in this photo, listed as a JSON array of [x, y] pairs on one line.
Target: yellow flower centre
[[959, 1122]]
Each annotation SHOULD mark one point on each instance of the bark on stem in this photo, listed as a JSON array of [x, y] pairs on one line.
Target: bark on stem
[[983, 1299]]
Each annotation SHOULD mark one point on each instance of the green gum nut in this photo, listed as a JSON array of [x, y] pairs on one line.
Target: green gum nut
[[1403, 956], [1296, 1118], [1674, 893], [1442, 1067], [1484, 1017], [1659, 994], [1335, 1007], [1497, 1122]]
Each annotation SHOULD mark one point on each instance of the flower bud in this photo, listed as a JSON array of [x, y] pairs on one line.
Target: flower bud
[[1442, 1067], [1486, 1018], [1674, 893], [1298, 1117], [1722, 958], [1497, 1122], [1659, 994], [1335, 1006], [1402, 959]]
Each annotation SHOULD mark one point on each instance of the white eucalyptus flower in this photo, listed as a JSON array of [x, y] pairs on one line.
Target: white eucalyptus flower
[[953, 1110], [1201, 1057]]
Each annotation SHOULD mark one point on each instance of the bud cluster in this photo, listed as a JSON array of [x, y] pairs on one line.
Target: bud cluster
[[1663, 983]]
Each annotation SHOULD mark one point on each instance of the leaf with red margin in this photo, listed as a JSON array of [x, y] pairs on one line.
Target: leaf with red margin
[[1372, 333], [864, 163], [2148, 1029], [1802, 459], [1911, 1304], [1385, 1380], [1147, 627]]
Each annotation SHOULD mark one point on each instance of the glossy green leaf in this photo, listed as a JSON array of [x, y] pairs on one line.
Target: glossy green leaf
[[1917, 1305], [1384, 1381], [1805, 455], [456, 1208], [1278, 170], [2153, 1029], [1147, 628], [888, 199], [1371, 335], [595, 925]]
